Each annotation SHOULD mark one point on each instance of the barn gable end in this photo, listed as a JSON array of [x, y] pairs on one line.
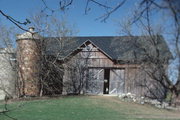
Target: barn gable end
[[101, 74]]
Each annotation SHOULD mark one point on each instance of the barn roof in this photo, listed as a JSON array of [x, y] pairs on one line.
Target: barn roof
[[121, 48]]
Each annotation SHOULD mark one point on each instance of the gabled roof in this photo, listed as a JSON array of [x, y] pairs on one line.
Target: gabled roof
[[86, 43], [122, 48]]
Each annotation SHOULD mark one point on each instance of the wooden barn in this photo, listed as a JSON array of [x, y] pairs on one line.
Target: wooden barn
[[107, 64], [89, 65], [86, 65]]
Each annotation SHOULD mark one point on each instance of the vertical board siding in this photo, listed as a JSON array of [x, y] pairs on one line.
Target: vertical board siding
[[95, 81], [117, 79], [124, 78]]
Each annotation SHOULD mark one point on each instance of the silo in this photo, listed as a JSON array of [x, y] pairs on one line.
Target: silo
[[28, 59]]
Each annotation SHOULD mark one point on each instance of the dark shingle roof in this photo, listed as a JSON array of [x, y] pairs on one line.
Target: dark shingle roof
[[123, 48]]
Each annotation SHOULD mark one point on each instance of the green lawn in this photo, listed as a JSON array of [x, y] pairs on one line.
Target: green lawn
[[86, 108]]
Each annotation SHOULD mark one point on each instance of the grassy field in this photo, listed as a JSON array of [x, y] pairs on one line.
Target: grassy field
[[86, 108]]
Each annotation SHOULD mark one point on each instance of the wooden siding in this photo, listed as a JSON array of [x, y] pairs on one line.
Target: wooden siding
[[124, 78], [134, 79], [117, 80], [95, 81]]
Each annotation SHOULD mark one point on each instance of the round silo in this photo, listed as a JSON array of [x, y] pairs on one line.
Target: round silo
[[28, 59]]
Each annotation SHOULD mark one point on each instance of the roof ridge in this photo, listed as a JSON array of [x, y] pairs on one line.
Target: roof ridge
[[98, 36]]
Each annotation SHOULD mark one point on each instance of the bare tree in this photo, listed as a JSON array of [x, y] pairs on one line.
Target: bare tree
[[77, 71], [78, 78], [7, 57], [155, 62], [63, 5], [158, 67], [51, 46], [8, 71]]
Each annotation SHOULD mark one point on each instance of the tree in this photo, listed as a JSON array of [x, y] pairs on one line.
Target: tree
[[7, 58], [56, 32], [76, 71], [8, 71], [156, 65], [63, 5]]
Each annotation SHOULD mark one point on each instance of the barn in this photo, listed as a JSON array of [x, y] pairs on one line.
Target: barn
[[96, 65], [106, 64]]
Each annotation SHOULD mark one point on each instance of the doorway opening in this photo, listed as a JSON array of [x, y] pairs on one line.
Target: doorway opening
[[106, 81]]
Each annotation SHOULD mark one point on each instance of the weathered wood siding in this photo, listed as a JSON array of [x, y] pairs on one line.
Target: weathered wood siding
[[117, 81], [95, 81], [134, 79], [123, 78]]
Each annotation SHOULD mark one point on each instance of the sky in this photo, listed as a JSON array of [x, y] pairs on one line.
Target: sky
[[85, 24]]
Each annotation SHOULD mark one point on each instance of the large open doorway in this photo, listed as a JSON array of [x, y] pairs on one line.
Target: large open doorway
[[106, 81]]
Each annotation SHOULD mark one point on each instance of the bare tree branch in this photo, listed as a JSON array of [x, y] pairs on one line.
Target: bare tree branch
[[14, 21], [104, 17]]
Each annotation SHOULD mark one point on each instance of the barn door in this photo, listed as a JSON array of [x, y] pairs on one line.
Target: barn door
[[117, 80], [95, 81], [106, 81]]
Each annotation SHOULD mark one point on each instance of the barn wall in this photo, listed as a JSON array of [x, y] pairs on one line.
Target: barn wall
[[92, 62], [124, 78], [134, 81]]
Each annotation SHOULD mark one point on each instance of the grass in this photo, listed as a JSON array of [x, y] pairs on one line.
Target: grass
[[86, 108]]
